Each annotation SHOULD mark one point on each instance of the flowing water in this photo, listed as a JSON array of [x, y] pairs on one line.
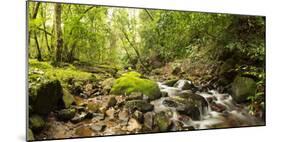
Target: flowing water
[[229, 114]]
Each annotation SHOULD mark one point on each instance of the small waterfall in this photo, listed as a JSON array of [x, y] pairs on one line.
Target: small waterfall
[[228, 113]]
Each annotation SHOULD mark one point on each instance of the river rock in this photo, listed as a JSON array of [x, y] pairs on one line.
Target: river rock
[[107, 85], [46, 97], [134, 125], [124, 115], [140, 105], [134, 82], [110, 113], [242, 88], [36, 123], [66, 114], [134, 96], [138, 116], [98, 127], [184, 85], [170, 83], [110, 101], [68, 99], [98, 116], [149, 120], [80, 117], [162, 121]]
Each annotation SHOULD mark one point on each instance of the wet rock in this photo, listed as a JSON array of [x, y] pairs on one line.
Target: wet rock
[[170, 83], [189, 128], [110, 101], [184, 85], [30, 135], [110, 113], [46, 97], [98, 116], [162, 121], [242, 88], [36, 123], [98, 127], [123, 115], [138, 116], [164, 94], [134, 96], [140, 105], [176, 126], [134, 125], [80, 117], [66, 114], [169, 103], [218, 107], [148, 120]]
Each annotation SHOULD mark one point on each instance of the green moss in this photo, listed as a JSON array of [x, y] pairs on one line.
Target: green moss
[[131, 82], [36, 123], [39, 70], [162, 121], [68, 99], [30, 135]]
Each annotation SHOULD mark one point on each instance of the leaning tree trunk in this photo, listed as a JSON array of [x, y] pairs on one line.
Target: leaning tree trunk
[[59, 40]]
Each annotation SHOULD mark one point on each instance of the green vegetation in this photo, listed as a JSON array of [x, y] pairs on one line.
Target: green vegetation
[[90, 61], [131, 82]]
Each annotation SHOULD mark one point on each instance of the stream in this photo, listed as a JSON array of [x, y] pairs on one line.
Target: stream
[[221, 112]]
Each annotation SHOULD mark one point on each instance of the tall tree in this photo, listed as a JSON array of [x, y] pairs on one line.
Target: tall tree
[[59, 40]]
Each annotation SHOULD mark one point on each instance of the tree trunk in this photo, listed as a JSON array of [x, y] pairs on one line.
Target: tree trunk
[[59, 40], [39, 56], [45, 29]]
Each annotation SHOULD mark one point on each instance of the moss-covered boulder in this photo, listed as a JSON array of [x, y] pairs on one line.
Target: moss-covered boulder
[[140, 105], [46, 96], [162, 121], [133, 82], [30, 135], [66, 114], [170, 82], [242, 88], [36, 123], [67, 98]]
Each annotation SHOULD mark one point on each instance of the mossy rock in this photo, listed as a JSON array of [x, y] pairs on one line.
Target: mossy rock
[[36, 123], [170, 82], [46, 97], [30, 135], [66, 114], [140, 105], [133, 82], [242, 88], [162, 121], [68, 98]]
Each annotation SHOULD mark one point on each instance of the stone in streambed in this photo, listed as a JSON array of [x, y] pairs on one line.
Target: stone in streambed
[[36, 123], [123, 115], [140, 105], [134, 96], [162, 121], [66, 114], [134, 125], [98, 127], [184, 85], [242, 88], [170, 83], [138, 116], [149, 120], [134, 82]]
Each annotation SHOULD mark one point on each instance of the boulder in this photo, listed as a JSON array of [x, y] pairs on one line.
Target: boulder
[[68, 99], [109, 101], [46, 97], [184, 85], [148, 120], [36, 123], [242, 88], [170, 82], [66, 114], [162, 121], [107, 85], [134, 96], [133, 82], [140, 105]]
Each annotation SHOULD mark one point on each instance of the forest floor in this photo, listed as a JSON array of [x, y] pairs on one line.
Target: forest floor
[[98, 113]]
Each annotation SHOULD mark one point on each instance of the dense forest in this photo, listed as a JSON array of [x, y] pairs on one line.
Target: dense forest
[[98, 70]]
